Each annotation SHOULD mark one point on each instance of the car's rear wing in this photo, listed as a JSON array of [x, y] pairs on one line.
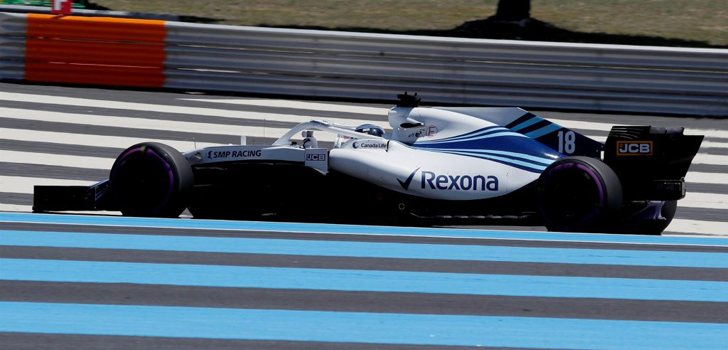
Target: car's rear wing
[[651, 162]]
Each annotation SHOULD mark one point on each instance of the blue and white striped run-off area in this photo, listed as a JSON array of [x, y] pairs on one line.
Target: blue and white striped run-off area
[[74, 281]]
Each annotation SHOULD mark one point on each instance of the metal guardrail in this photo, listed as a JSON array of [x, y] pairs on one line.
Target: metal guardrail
[[448, 70], [12, 47], [88, 12], [445, 70]]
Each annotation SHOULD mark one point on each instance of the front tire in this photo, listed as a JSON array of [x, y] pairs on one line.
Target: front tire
[[151, 179]]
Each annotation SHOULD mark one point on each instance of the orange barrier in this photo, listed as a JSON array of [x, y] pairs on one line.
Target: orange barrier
[[95, 50]]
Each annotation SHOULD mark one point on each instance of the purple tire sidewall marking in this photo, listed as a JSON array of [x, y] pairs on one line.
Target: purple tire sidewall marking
[[595, 179], [122, 157], [170, 176], [148, 151], [130, 151], [600, 188]]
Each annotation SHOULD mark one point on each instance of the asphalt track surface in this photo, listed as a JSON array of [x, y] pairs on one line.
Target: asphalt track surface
[[108, 282], [70, 136], [105, 282]]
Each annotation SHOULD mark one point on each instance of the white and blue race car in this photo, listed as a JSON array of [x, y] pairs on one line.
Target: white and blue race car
[[436, 165]]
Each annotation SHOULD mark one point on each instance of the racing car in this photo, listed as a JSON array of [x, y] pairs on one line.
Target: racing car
[[435, 165]]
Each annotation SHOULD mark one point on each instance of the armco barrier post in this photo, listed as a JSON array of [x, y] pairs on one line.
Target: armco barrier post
[[61, 7], [95, 50], [12, 46]]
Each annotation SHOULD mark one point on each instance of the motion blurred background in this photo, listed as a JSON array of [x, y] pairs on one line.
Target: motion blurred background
[[695, 23]]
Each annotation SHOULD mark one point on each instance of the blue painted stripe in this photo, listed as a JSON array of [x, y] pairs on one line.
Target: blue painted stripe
[[522, 156], [357, 327], [502, 133], [360, 280], [543, 131], [265, 226], [364, 249], [527, 123], [505, 141], [503, 160], [541, 160]]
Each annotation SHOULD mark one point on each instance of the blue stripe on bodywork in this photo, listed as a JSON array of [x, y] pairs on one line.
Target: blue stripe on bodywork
[[530, 167], [360, 280], [543, 131], [335, 229], [489, 135], [527, 123], [498, 134], [511, 158], [356, 327], [510, 144], [364, 249], [544, 161]]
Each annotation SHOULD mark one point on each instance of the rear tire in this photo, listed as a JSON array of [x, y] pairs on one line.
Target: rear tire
[[151, 179], [578, 194]]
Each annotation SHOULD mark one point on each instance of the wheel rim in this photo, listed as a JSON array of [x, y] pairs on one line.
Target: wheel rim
[[574, 195], [144, 181]]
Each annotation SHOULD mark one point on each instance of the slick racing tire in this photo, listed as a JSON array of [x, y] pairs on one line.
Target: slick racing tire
[[578, 194], [151, 179]]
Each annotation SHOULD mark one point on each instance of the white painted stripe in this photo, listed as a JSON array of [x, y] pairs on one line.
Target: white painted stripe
[[235, 116], [677, 226], [270, 132], [367, 110], [92, 140], [29, 208], [704, 201], [375, 112], [16, 207], [151, 124], [322, 106], [712, 159], [376, 117], [184, 146], [304, 105], [24, 185], [138, 123], [683, 226], [57, 160], [706, 178], [201, 127], [712, 144]]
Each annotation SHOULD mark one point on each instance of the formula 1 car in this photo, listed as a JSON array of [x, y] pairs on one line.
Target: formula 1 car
[[436, 165]]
